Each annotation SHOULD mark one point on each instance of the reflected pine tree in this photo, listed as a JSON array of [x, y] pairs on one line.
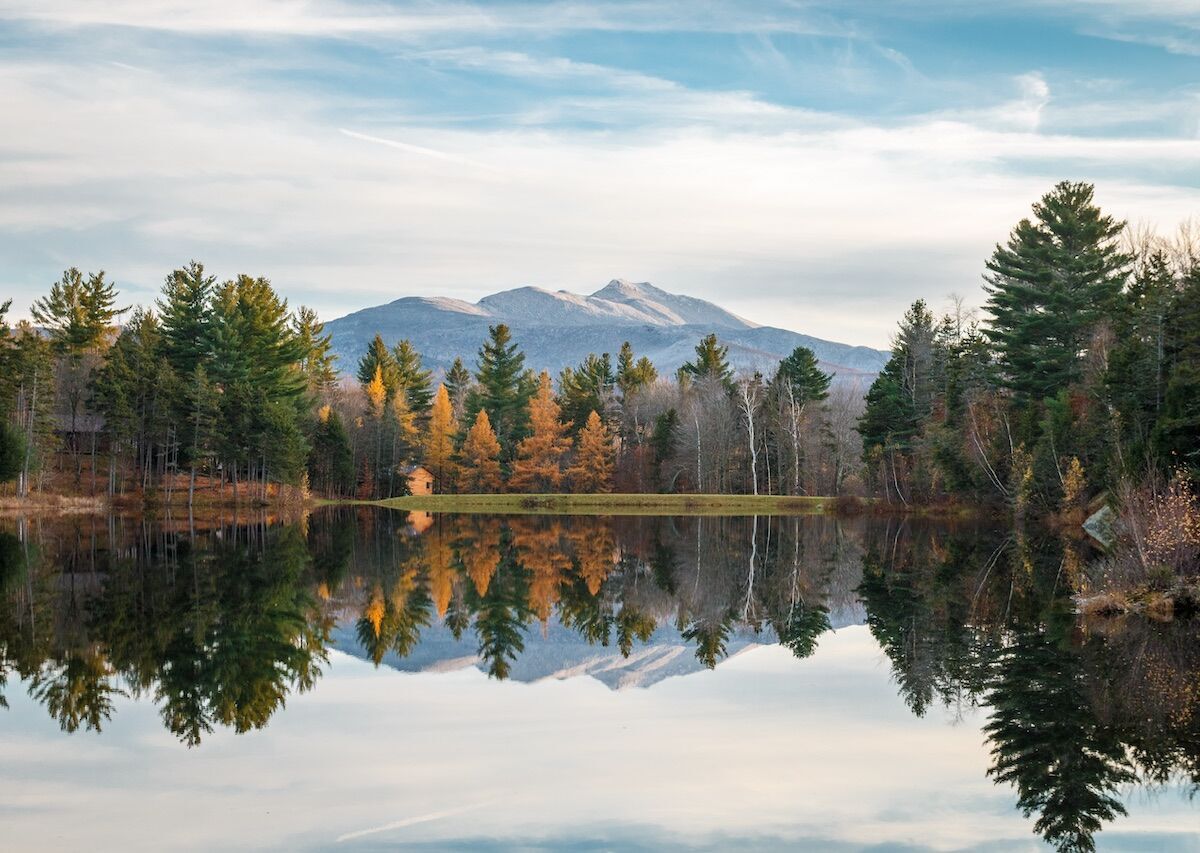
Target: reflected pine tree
[[502, 612], [77, 691], [1047, 740], [802, 627]]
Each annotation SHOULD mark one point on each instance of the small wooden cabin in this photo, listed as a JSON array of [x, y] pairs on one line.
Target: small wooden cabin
[[420, 481]]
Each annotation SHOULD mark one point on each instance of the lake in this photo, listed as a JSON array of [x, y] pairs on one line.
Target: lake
[[366, 679]]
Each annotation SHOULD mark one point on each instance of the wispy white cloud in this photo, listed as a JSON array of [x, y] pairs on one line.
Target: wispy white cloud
[[260, 181], [348, 195], [339, 17]]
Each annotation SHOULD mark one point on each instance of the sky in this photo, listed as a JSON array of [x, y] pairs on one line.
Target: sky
[[810, 165], [765, 752]]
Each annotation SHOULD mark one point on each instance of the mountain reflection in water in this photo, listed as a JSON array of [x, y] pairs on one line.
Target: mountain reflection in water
[[218, 623]]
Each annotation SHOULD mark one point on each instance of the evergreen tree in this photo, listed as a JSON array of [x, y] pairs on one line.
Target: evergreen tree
[[331, 460], [458, 385], [439, 440], [185, 312], [378, 358], [412, 378], [12, 452], [316, 359], [592, 471], [538, 466], [203, 413], [77, 313], [663, 441], [254, 342], [587, 388], [711, 363], [1049, 287], [29, 377], [1137, 371], [798, 383], [256, 362], [633, 375], [800, 371], [479, 468], [1178, 429], [505, 388]]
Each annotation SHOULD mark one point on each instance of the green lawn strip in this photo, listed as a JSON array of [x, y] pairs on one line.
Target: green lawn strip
[[613, 504]]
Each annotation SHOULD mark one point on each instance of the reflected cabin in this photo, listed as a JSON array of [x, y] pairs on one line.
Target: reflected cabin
[[420, 481]]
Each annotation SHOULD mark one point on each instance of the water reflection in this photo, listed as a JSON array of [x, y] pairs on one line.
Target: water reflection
[[218, 622]]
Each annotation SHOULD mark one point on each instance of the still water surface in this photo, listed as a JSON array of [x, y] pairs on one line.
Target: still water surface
[[367, 680]]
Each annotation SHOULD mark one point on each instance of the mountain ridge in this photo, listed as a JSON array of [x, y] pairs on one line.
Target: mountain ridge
[[559, 328]]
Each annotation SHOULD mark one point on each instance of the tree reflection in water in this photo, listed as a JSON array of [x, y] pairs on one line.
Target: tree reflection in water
[[218, 623]]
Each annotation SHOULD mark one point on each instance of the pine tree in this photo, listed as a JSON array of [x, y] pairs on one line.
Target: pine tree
[[1178, 428], [256, 358], [12, 452], [77, 313], [538, 466], [185, 312], [331, 460], [203, 413], [587, 388], [633, 375], [505, 388], [411, 377], [378, 358], [458, 385], [316, 358], [797, 385], [711, 364], [479, 468], [663, 443], [592, 470], [29, 370], [800, 371], [439, 440], [1049, 287]]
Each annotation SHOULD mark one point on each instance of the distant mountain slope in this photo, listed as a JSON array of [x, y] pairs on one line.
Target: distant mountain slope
[[557, 652], [556, 329]]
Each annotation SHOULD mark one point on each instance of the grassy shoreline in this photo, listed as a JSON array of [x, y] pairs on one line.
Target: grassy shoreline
[[613, 504]]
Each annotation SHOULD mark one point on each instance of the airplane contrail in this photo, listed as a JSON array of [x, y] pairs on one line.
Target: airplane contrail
[[417, 149], [409, 821]]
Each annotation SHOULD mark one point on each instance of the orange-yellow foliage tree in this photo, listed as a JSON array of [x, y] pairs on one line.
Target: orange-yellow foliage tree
[[479, 471], [538, 466], [439, 440], [594, 458]]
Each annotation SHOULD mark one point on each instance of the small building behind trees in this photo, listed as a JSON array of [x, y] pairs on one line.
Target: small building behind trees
[[420, 480]]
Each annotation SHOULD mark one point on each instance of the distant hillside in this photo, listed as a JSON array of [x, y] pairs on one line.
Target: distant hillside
[[554, 651], [557, 329]]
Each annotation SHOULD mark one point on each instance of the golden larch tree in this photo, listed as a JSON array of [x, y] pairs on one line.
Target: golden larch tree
[[376, 393], [479, 471], [594, 458], [538, 466], [480, 552], [439, 557], [439, 440], [543, 553]]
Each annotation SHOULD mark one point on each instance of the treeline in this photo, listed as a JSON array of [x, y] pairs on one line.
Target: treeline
[[601, 426], [217, 380], [220, 387], [1082, 378]]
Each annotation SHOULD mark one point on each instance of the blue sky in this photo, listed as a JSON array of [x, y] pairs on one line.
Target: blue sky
[[813, 165]]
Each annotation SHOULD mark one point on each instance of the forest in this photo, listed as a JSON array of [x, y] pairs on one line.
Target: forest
[[220, 390], [1078, 384]]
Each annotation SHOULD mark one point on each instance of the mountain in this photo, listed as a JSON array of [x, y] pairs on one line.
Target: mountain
[[558, 328], [556, 652]]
